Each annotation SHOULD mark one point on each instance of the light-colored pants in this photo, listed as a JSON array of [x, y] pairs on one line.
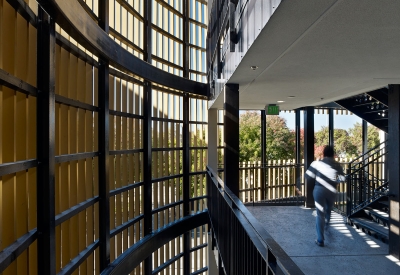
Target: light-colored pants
[[324, 200]]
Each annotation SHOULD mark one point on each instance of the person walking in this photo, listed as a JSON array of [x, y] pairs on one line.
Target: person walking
[[327, 173]]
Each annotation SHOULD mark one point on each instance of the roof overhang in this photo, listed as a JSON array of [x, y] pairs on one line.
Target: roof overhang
[[314, 52]]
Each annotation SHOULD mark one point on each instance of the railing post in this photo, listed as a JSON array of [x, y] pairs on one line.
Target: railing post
[[253, 183], [365, 181], [348, 193]]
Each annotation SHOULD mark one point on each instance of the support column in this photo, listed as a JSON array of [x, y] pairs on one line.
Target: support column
[[364, 137], [309, 152], [104, 148], [394, 171], [263, 152], [331, 127], [212, 155], [231, 137], [45, 131], [298, 149]]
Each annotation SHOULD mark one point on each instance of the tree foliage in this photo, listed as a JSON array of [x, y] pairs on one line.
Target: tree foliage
[[356, 137], [343, 145], [249, 136], [281, 142]]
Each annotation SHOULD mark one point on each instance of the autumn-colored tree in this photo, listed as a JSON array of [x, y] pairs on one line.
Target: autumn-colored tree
[[319, 151], [343, 145], [280, 140]]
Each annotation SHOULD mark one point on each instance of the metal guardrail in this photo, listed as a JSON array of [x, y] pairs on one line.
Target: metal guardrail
[[280, 180], [244, 246], [365, 174]]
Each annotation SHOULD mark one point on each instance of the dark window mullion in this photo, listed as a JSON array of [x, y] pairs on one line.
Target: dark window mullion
[[147, 137], [103, 138], [45, 132], [186, 181]]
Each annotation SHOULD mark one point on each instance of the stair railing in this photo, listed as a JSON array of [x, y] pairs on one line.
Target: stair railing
[[365, 175]]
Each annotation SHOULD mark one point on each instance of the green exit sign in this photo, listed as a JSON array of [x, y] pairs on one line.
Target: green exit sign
[[273, 110]]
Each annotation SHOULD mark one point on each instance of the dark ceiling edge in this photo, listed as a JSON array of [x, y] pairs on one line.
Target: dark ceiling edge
[[76, 22]]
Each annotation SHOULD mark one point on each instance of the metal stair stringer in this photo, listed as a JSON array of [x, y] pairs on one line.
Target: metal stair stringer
[[371, 106]]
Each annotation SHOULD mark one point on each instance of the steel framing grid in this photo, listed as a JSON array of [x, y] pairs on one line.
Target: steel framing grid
[[88, 135]]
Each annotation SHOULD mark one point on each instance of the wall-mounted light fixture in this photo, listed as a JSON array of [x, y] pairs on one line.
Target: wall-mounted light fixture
[[254, 68]]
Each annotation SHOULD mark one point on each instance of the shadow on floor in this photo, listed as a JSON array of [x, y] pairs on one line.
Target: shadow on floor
[[347, 250]]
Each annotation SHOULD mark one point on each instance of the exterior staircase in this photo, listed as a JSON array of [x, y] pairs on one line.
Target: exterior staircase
[[371, 106], [373, 219], [368, 195]]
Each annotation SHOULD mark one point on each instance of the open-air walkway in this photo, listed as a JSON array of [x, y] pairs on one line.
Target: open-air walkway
[[347, 250]]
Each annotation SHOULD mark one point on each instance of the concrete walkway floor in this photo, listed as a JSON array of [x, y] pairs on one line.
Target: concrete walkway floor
[[347, 250]]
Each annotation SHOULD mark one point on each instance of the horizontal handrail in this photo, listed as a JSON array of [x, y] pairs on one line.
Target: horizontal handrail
[[138, 252], [11, 253], [14, 167], [385, 185], [362, 157]]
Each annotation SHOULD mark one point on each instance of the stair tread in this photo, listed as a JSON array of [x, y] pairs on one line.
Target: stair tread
[[378, 228], [377, 212], [386, 203]]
